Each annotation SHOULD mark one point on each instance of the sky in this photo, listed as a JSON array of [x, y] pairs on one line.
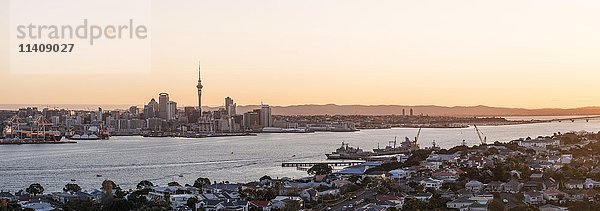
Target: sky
[[514, 53]]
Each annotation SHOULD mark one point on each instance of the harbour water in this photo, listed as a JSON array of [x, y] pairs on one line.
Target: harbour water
[[128, 160]]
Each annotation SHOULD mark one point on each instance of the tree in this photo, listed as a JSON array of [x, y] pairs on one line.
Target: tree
[[72, 188], [266, 177], [144, 184], [496, 205], [201, 182], [173, 184], [35, 189], [191, 202], [81, 205], [320, 169]]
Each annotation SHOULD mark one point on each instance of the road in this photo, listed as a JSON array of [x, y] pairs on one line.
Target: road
[[347, 201]]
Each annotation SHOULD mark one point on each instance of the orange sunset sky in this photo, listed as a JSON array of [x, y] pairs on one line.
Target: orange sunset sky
[[515, 53]]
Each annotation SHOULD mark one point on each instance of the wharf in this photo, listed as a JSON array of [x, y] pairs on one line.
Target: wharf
[[310, 164]]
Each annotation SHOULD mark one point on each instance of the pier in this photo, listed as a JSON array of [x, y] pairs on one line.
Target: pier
[[310, 164]]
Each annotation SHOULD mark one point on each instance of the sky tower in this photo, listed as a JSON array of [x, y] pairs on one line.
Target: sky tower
[[199, 86]]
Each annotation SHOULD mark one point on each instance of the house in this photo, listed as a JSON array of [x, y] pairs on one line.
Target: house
[[398, 173], [475, 162], [512, 186], [474, 186], [536, 176], [332, 193], [217, 188], [550, 184], [460, 203], [574, 184], [340, 183], [495, 186], [160, 192], [549, 207], [590, 183], [447, 175], [532, 185], [542, 143], [258, 205], [371, 207], [8, 196], [422, 196], [432, 183], [38, 206], [281, 202], [533, 197], [392, 201], [553, 194], [477, 207], [178, 200], [65, 197], [208, 204], [233, 205], [309, 194], [566, 158]]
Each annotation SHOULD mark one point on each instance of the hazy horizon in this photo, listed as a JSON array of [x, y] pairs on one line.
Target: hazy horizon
[[517, 54]]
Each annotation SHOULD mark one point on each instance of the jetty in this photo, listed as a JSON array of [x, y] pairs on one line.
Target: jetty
[[310, 164]]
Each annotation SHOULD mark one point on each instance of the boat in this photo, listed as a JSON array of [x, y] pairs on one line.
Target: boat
[[392, 148], [98, 175], [156, 134], [85, 137], [347, 152], [405, 147]]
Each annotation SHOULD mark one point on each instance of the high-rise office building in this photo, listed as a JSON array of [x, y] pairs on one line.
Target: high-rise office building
[[133, 110], [151, 109], [265, 116], [172, 111], [230, 106], [163, 105]]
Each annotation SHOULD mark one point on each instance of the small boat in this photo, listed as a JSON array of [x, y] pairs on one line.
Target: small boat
[[232, 153], [73, 180], [180, 175], [293, 155], [98, 175]]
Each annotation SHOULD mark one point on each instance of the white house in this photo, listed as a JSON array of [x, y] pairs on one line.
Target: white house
[[533, 198], [474, 186], [432, 183]]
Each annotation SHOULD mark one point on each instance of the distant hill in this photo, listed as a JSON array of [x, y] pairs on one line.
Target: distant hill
[[332, 109]]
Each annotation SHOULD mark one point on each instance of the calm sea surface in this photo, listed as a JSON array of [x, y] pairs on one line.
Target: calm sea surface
[[128, 160]]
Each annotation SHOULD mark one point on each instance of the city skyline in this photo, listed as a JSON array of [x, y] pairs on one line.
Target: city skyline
[[522, 54]]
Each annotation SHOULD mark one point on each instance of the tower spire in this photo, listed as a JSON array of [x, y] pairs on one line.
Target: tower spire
[[199, 86]]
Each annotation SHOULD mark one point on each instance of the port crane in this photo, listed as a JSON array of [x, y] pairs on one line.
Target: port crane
[[480, 134], [417, 137]]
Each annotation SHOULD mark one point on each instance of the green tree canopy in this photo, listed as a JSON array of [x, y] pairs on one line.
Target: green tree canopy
[[35, 189], [320, 169], [72, 188]]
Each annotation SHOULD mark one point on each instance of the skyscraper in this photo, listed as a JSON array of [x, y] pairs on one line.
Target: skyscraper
[[172, 110], [151, 110], [199, 86], [230, 107], [265, 116], [163, 105]]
